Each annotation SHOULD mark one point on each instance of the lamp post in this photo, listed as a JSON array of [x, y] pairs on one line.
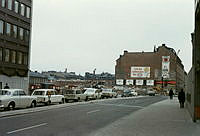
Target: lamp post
[[176, 66]]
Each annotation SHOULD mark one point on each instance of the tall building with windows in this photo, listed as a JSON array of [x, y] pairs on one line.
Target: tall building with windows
[[15, 28]]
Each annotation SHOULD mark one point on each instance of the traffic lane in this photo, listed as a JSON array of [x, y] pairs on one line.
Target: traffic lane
[[76, 120]]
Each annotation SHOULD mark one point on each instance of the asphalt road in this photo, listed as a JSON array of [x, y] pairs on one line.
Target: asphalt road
[[76, 120]]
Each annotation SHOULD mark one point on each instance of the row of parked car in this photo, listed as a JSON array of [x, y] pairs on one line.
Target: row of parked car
[[17, 98]]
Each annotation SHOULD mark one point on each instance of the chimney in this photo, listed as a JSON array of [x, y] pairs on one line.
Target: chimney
[[163, 44]]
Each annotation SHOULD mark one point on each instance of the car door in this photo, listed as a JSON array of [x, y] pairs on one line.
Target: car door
[[54, 97], [16, 99], [24, 100]]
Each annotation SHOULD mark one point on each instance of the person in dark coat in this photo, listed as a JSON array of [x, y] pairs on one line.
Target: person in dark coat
[[181, 98], [6, 86], [171, 93]]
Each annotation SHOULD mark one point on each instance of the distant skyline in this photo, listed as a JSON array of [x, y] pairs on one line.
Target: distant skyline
[[82, 35]]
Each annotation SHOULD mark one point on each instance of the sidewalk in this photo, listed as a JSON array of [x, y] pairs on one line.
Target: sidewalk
[[161, 119]]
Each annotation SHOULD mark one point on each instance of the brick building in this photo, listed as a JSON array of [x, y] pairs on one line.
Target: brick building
[[162, 67], [15, 29]]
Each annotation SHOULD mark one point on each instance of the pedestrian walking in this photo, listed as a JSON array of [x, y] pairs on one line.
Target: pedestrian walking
[[171, 93], [6, 86], [181, 98]]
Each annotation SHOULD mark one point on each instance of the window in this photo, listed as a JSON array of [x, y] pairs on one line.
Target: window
[[22, 93], [16, 6], [15, 31], [21, 33], [10, 4], [1, 54], [27, 35], [16, 93], [1, 26], [13, 56], [19, 58], [28, 12], [25, 59], [3, 3], [8, 27], [22, 10], [7, 55]]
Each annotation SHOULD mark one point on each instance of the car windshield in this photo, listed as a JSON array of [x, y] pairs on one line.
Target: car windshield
[[39, 93], [5, 92], [90, 90], [107, 90], [69, 92]]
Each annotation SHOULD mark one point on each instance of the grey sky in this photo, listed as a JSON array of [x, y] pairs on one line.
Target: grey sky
[[85, 34]]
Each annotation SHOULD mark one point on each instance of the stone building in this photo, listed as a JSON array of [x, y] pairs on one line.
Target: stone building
[[161, 68], [15, 29]]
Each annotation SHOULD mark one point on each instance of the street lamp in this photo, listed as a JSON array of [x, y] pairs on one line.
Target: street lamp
[[176, 66]]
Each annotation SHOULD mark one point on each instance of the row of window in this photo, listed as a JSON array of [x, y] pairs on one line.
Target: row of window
[[14, 31], [17, 7], [12, 56]]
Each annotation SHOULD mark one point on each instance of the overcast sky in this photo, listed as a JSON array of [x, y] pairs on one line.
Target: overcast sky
[[81, 35]]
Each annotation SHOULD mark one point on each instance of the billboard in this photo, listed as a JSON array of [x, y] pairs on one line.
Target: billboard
[[150, 82], [139, 82], [119, 82], [140, 72], [129, 82], [165, 66]]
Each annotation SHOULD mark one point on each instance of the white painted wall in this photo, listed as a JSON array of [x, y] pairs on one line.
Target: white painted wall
[[15, 82]]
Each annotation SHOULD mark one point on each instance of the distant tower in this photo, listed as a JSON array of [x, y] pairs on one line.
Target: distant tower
[[94, 71], [66, 70]]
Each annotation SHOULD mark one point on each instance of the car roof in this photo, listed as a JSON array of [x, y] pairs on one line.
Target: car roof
[[12, 90], [44, 90]]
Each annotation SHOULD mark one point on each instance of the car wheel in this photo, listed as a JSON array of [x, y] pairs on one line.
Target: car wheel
[[86, 99], [62, 101], [66, 100], [11, 106], [33, 104], [48, 103]]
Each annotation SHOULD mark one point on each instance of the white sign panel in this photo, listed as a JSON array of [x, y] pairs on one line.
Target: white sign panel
[[140, 72], [150, 82], [139, 82], [165, 66], [129, 82], [119, 82]]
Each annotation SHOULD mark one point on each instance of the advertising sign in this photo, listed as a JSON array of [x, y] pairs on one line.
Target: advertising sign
[[139, 82], [140, 72], [165, 66], [119, 82], [150, 82], [129, 82]]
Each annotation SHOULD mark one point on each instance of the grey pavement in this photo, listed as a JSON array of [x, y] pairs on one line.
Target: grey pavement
[[164, 118]]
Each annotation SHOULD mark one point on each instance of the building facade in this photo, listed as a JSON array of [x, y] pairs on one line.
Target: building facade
[[193, 84], [161, 68], [15, 30]]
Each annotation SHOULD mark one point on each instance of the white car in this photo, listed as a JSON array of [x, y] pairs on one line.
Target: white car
[[48, 96], [75, 95], [16, 98], [93, 93], [108, 93]]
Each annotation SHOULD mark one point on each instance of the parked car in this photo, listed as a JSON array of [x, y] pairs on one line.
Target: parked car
[[151, 92], [92, 93], [134, 93], [48, 96], [108, 93], [16, 98], [75, 95], [126, 93]]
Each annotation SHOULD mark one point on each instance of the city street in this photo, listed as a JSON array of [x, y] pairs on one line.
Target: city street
[[76, 120]]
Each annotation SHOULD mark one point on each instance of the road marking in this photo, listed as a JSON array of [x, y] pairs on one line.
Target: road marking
[[93, 111], [22, 129], [122, 105]]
